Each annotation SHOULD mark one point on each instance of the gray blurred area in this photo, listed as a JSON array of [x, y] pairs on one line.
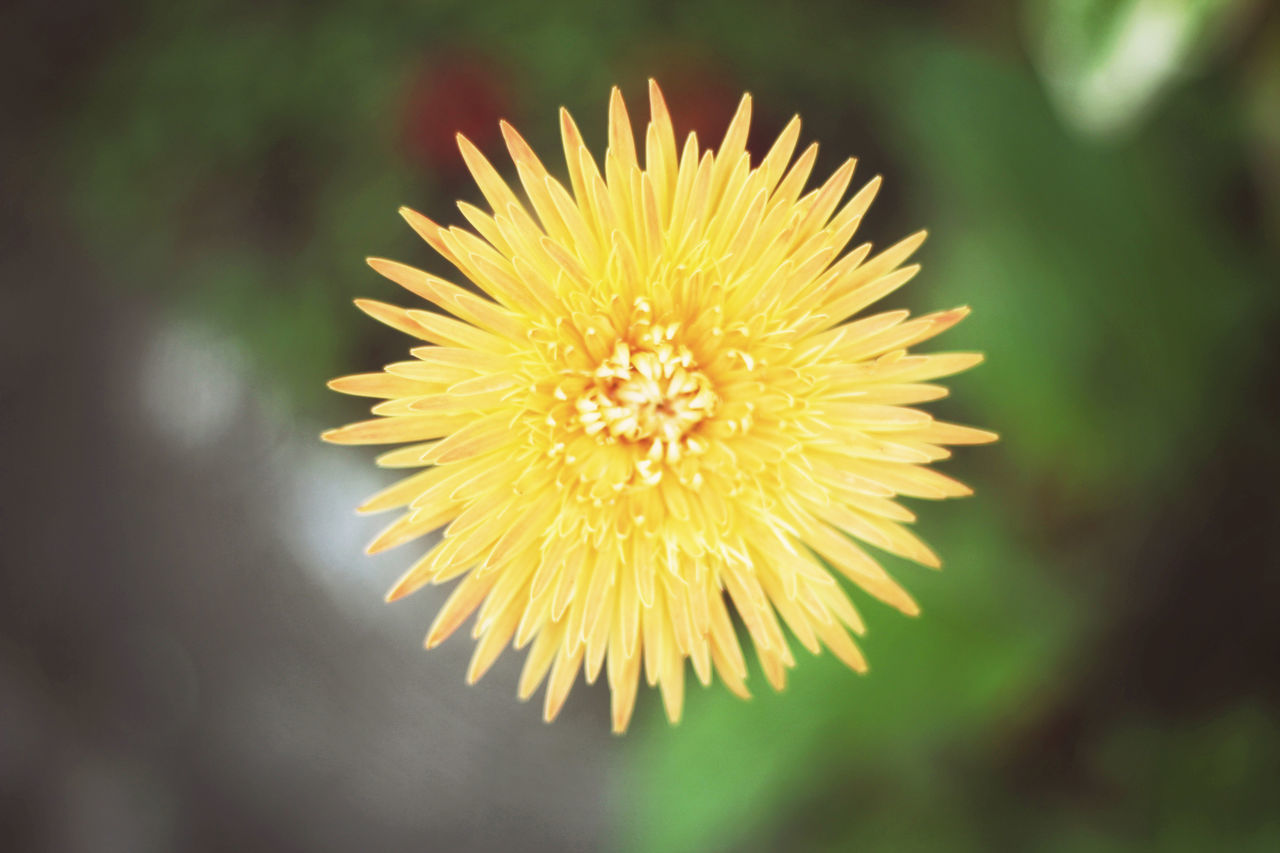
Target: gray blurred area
[[194, 653]]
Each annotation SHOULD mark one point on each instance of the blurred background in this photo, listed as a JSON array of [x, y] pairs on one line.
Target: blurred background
[[194, 653]]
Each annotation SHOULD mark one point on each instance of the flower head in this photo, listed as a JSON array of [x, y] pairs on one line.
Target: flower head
[[659, 408]]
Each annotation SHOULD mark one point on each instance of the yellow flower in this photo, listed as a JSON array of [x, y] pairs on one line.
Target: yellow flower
[[657, 408]]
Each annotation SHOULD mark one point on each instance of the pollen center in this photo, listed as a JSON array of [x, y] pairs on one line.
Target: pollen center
[[652, 394]]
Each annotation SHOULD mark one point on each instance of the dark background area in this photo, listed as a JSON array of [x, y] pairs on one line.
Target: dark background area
[[194, 653]]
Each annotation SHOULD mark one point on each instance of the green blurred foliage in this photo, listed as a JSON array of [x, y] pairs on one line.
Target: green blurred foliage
[[1108, 62], [1100, 281], [241, 162]]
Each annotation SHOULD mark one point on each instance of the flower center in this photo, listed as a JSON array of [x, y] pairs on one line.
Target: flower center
[[652, 392]]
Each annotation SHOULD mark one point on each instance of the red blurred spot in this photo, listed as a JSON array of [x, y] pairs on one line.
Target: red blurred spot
[[700, 100], [702, 96], [454, 96]]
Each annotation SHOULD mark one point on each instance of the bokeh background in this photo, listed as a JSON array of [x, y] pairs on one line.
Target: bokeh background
[[194, 653]]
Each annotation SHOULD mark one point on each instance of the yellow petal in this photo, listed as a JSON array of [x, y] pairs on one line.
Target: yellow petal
[[479, 436], [383, 385], [391, 430]]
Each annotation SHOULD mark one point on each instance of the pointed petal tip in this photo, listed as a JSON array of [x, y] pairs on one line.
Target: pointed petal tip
[[930, 560], [382, 266], [620, 714], [469, 150], [553, 705], [658, 104], [411, 216], [475, 673], [510, 135]]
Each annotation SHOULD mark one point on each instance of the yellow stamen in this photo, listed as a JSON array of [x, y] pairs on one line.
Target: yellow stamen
[[648, 392]]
